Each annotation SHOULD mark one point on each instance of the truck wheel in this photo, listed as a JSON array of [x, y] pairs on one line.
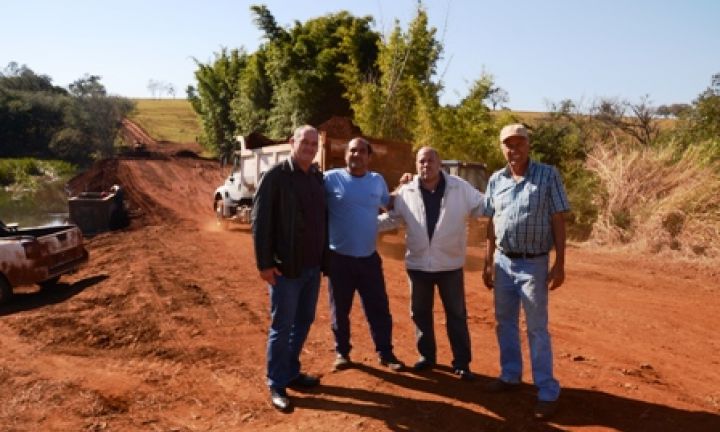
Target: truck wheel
[[6, 292], [50, 283]]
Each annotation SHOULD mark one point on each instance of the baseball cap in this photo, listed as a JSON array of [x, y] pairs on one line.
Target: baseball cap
[[511, 130]]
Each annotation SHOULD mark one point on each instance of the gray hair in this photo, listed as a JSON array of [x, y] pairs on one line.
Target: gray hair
[[298, 134], [427, 149]]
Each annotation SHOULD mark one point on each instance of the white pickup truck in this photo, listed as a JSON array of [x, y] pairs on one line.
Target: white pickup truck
[[38, 255]]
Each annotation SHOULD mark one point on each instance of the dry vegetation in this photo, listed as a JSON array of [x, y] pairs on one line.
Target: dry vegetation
[[657, 202]]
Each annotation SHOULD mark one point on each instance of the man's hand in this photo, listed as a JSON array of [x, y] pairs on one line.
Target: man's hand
[[489, 275], [556, 277], [268, 275], [405, 179]]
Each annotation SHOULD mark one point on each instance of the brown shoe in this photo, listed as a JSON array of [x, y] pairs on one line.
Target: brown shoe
[[500, 386], [544, 410]]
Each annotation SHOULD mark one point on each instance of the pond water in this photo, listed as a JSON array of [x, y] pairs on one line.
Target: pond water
[[48, 205]]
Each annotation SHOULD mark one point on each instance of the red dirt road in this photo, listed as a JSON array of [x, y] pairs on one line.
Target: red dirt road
[[165, 329]]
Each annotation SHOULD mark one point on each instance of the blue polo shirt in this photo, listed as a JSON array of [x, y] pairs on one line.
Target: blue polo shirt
[[353, 205], [522, 210]]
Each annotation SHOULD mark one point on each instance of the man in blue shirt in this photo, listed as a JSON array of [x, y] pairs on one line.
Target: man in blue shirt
[[526, 202], [354, 196]]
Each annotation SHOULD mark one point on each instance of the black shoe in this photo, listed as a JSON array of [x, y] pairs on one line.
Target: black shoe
[[423, 364], [342, 362], [392, 362], [500, 386], [544, 410], [304, 381], [279, 399], [464, 374]]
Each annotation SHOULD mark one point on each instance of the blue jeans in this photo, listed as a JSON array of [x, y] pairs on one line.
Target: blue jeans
[[523, 281], [292, 310], [452, 293], [364, 275]]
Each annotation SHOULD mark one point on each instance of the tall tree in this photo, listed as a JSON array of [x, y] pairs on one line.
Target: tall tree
[[295, 77], [400, 101], [88, 86], [217, 84]]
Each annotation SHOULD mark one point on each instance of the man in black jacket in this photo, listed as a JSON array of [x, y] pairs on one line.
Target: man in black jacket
[[289, 231]]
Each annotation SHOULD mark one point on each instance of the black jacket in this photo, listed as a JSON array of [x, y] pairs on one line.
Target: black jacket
[[277, 222]]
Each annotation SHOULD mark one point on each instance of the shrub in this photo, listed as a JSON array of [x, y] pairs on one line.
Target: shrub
[[658, 200]]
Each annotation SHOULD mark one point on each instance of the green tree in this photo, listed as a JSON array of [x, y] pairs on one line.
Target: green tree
[[88, 86], [401, 101], [40, 120], [468, 130], [217, 85], [699, 126], [296, 76]]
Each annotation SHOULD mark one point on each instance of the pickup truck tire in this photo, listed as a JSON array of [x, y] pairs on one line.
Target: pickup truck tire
[[50, 283], [6, 291]]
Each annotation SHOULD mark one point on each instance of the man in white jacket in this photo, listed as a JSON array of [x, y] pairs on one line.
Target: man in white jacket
[[434, 207]]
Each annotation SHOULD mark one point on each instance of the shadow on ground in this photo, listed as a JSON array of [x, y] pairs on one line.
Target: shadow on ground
[[511, 411], [59, 293]]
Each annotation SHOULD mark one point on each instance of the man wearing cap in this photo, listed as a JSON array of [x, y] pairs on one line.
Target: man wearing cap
[[526, 203]]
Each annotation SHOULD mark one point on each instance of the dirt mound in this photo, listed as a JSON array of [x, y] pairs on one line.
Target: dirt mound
[[165, 329]]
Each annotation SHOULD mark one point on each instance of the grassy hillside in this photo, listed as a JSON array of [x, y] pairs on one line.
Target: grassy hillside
[[167, 119]]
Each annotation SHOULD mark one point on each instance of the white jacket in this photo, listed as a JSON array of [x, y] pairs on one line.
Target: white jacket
[[446, 251]]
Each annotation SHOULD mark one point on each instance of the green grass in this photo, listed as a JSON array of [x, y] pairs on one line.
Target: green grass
[[167, 119]]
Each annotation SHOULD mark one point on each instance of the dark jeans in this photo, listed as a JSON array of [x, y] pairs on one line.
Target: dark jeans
[[452, 293], [292, 309], [364, 275]]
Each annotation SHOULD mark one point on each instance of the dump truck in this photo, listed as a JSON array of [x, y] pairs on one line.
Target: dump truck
[[38, 255], [474, 173], [232, 201]]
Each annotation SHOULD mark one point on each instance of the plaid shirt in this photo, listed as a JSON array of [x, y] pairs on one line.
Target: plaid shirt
[[522, 211]]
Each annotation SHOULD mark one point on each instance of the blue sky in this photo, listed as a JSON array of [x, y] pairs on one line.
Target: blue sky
[[538, 51]]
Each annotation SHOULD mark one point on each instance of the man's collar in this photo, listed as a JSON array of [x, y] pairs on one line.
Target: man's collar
[[507, 173], [440, 182], [295, 167]]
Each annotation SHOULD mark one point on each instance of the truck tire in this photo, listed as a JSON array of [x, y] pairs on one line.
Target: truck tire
[[6, 291], [50, 283]]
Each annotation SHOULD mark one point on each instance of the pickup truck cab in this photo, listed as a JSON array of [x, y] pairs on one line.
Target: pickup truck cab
[[38, 255]]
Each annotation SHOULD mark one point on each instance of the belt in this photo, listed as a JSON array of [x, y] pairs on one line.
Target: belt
[[516, 255]]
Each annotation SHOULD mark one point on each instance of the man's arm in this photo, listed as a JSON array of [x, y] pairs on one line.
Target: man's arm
[[389, 221], [476, 200], [489, 266], [262, 226], [556, 277]]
